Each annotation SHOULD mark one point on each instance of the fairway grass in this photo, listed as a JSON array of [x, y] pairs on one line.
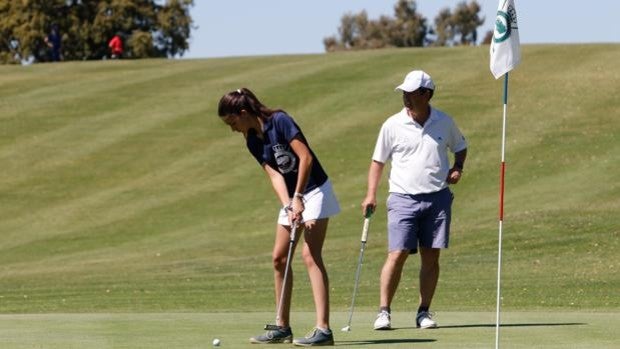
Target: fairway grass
[[197, 330], [132, 217]]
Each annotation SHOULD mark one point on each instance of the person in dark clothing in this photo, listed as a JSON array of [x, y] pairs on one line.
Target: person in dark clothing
[[54, 42]]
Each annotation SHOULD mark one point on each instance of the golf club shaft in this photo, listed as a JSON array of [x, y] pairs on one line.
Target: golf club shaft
[[288, 264], [357, 279], [359, 262]]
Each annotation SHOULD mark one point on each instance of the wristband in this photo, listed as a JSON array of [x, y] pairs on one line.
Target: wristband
[[298, 195]]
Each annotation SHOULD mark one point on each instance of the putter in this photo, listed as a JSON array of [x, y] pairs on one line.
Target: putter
[[291, 242], [347, 328]]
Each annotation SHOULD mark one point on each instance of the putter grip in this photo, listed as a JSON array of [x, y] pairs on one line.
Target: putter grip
[[365, 230], [291, 236], [367, 215]]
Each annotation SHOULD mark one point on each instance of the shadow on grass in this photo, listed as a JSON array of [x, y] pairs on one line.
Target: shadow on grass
[[383, 341], [505, 325]]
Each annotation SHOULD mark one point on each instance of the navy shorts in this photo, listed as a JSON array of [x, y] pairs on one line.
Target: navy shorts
[[419, 220]]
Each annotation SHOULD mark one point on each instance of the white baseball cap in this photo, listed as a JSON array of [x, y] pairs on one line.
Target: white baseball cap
[[414, 80]]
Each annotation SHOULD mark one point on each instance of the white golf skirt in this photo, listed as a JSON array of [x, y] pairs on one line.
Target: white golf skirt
[[319, 203]]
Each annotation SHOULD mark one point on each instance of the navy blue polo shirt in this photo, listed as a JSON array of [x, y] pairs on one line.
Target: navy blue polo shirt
[[275, 151]]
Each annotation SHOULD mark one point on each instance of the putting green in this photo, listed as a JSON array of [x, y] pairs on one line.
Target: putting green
[[197, 330]]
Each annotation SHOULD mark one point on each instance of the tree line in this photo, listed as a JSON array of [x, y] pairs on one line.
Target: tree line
[[33, 29], [408, 28]]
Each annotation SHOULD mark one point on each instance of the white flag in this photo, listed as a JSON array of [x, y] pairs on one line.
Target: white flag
[[505, 52]]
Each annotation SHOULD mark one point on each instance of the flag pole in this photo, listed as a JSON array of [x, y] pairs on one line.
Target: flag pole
[[505, 56], [501, 213]]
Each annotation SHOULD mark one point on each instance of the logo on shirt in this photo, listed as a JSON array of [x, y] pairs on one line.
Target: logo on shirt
[[284, 158]]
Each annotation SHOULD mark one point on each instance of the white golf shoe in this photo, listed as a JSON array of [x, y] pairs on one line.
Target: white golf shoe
[[383, 321], [424, 320]]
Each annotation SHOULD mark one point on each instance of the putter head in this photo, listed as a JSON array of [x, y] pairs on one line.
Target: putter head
[[346, 329], [269, 327]]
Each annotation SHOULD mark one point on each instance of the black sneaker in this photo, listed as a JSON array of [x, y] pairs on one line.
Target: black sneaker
[[316, 338], [274, 334]]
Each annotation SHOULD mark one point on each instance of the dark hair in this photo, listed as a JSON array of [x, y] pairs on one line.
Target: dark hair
[[430, 90], [234, 102], [422, 91]]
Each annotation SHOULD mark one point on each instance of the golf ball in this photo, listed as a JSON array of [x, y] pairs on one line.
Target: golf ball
[[216, 342]]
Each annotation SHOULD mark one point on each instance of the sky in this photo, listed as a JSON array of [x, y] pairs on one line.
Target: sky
[[225, 28]]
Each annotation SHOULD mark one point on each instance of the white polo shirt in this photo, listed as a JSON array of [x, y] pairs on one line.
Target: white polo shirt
[[419, 154]]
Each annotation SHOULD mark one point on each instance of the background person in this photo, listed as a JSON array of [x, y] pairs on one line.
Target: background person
[[417, 140], [116, 46], [305, 193], [54, 42]]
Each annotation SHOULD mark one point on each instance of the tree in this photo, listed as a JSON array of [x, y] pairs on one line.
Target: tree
[[410, 27], [487, 38], [466, 21], [444, 28], [354, 30], [406, 29], [151, 28]]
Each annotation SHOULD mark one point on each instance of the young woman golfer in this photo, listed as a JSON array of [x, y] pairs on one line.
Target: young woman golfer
[[307, 199]]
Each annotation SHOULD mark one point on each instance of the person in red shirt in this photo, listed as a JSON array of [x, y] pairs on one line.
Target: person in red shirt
[[116, 46]]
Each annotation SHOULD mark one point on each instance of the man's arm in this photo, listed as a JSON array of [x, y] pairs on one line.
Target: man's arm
[[374, 176], [455, 173]]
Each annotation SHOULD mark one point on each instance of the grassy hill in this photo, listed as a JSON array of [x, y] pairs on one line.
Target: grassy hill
[[122, 191]]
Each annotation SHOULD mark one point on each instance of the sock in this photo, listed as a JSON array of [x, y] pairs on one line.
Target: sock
[[389, 311], [421, 309], [326, 331]]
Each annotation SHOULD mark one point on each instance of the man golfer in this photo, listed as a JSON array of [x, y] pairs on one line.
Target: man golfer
[[416, 140]]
